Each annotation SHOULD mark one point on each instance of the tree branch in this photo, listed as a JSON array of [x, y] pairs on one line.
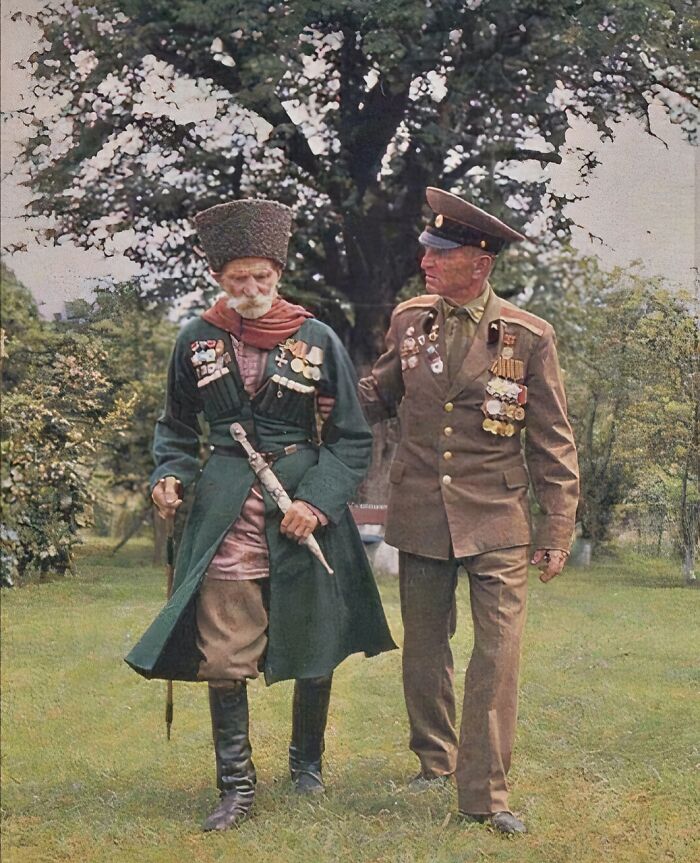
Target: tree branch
[[269, 108]]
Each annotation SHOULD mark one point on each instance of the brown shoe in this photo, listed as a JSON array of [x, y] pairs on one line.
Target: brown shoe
[[502, 822]]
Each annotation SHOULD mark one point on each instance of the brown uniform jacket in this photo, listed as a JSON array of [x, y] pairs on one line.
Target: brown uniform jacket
[[455, 487]]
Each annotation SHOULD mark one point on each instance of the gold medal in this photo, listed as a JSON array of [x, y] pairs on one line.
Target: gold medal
[[507, 352], [509, 429], [519, 413], [308, 372], [297, 365]]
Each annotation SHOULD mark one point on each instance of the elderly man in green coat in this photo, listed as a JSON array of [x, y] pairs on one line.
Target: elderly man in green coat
[[248, 595]]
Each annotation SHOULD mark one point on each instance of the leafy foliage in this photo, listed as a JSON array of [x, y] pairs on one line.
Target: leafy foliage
[[630, 350], [79, 401], [346, 109]]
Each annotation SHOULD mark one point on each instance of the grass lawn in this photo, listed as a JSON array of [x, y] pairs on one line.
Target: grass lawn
[[605, 768]]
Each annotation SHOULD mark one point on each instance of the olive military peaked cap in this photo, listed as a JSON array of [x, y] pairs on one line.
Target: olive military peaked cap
[[248, 228], [459, 223]]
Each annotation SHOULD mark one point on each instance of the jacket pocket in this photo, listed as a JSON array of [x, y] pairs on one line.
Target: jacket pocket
[[516, 477], [279, 402], [396, 471]]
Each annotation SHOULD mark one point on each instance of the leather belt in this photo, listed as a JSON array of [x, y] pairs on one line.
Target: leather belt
[[270, 457]]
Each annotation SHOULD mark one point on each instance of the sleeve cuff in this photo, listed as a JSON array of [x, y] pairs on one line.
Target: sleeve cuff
[[555, 533]]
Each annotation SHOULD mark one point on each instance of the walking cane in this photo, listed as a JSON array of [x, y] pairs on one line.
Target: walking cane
[[169, 571]]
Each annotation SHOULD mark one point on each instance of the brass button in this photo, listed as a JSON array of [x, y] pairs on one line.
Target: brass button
[[447, 479], [449, 407], [447, 455], [448, 430]]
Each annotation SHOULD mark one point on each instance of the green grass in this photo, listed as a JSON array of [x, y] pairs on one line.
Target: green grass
[[605, 766]]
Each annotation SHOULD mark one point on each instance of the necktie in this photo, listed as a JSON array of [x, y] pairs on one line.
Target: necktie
[[457, 340]]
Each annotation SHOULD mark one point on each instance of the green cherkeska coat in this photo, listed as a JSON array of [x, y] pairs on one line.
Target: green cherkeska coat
[[315, 619]]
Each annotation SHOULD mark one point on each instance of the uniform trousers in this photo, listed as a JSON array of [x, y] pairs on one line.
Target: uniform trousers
[[481, 757], [231, 629]]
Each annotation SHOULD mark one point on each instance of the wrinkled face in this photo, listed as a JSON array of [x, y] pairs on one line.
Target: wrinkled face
[[457, 274], [251, 285]]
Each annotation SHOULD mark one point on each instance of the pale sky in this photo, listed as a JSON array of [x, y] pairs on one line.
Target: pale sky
[[641, 200]]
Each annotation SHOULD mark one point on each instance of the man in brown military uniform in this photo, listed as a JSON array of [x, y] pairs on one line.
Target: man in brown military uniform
[[466, 372]]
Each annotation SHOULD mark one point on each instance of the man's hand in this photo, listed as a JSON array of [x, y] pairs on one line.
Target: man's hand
[[299, 521], [167, 496], [550, 561]]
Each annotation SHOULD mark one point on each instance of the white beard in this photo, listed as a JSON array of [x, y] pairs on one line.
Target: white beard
[[252, 307]]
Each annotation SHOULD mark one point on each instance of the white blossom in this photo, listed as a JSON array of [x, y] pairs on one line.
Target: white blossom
[[84, 62]]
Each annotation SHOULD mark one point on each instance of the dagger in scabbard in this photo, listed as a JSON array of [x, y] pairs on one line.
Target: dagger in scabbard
[[273, 486]]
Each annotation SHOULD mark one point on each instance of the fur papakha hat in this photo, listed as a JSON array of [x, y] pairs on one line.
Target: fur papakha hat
[[247, 228]]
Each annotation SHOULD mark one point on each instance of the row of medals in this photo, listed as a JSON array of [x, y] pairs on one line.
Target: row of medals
[[503, 405], [306, 361], [411, 348]]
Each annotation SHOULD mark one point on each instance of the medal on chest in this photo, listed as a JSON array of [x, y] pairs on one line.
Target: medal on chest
[[506, 394], [209, 359], [303, 359], [414, 344]]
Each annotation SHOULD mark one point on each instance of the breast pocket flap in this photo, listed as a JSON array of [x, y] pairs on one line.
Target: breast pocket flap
[[516, 477]]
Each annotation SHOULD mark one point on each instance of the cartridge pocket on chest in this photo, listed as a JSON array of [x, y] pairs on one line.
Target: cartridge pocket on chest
[[286, 399]]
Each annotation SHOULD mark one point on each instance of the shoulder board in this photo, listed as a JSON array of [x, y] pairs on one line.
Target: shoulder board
[[514, 315], [425, 301]]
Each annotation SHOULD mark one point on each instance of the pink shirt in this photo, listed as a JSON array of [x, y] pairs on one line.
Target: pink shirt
[[242, 554]]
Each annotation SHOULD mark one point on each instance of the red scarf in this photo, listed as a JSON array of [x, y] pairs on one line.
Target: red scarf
[[266, 332]]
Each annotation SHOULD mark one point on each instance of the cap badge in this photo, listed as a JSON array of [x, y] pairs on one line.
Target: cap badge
[[439, 219]]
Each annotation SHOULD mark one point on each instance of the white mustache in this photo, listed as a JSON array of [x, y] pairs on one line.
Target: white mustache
[[251, 307]]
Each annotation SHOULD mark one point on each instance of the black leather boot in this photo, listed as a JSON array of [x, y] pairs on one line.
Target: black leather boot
[[235, 773], [309, 716]]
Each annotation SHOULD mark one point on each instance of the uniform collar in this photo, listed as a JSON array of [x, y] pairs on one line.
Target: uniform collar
[[480, 352], [474, 308]]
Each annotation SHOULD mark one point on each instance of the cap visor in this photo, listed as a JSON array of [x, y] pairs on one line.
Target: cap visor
[[435, 242]]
